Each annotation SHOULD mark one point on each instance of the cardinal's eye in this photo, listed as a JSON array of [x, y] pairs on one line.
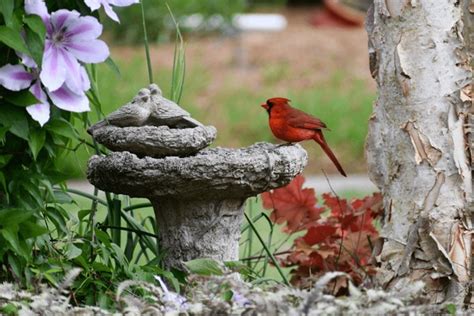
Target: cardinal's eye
[[269, 103]]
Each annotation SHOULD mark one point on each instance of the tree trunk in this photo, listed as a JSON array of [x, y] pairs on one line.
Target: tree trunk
[[417, 148]]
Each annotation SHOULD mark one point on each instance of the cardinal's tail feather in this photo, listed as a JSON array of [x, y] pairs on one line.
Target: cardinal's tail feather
[[319, 138]]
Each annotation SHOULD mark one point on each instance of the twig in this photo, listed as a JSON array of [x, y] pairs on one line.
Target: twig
[[261, 257]]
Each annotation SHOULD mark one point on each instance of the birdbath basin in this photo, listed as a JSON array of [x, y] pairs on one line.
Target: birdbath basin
[[198, 199]]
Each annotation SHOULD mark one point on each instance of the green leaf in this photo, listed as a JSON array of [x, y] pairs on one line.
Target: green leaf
[[51, 278], [15, 264], [170, 277], [4, 159], [15, 118], [61, 127], [35, 23], [179, 64], [36, 141], [239, 267], [3, 182], [112, 65], [103, 237], [3, 132], [72, 251], [10, 233], [6, 7], [227, 295], [62, 197], [35, 45], [83, 213], [147, 240], [55, 216], [204, 266], [46, 184], [83, 262], [100, 267], [12, 39], [33, 190], [9, 309], [30, 230], [119, 255], [13, 216], [22, 98], [451, 308]]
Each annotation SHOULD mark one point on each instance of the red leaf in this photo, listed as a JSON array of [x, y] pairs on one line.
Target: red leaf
[[319, 250], [337, 205], [292, 204], [363, 214], [317, 234], [372, 203], [357, 248]]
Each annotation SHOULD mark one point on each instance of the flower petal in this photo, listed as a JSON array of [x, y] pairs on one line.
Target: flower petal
[[67, 100], [110, 12], [73, 70], [26, 60], [53, 73], [94, 51], [15, 77], [86, 84], [63, 18], [39, 94], [79, 82], [84, 28], [39, 112], [37, 7], [122, 3], [92, 4]]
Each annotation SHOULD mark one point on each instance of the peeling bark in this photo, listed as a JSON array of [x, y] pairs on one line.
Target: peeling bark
[[419, 147]]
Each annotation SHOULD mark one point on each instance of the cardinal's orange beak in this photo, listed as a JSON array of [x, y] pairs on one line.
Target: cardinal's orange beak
[[264, 105]]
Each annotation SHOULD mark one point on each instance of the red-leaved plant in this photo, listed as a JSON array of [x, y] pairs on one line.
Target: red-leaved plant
[[338, 234]]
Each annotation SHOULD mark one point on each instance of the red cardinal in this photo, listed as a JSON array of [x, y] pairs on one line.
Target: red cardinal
[[292, 125]]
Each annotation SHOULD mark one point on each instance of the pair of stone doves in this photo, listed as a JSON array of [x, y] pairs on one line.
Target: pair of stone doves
[[149, 107]]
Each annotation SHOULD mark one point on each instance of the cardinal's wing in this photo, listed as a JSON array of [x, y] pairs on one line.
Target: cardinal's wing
[[300, 119]]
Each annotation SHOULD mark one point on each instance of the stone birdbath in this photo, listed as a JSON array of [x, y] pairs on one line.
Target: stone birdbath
[[198, 194]]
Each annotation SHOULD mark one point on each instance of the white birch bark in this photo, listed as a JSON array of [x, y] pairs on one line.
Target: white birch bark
[[417, 148]]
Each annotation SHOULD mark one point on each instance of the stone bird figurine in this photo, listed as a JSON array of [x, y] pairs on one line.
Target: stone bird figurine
[[148, 107]]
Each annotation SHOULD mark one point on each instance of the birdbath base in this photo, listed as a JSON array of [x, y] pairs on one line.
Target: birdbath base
[[182, 237]]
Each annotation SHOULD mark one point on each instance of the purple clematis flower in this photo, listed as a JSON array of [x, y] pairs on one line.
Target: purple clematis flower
[[107, 4], [70, 38], [16, 77]]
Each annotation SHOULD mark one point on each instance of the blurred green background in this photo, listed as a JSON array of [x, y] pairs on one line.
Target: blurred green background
[[323, 70]]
